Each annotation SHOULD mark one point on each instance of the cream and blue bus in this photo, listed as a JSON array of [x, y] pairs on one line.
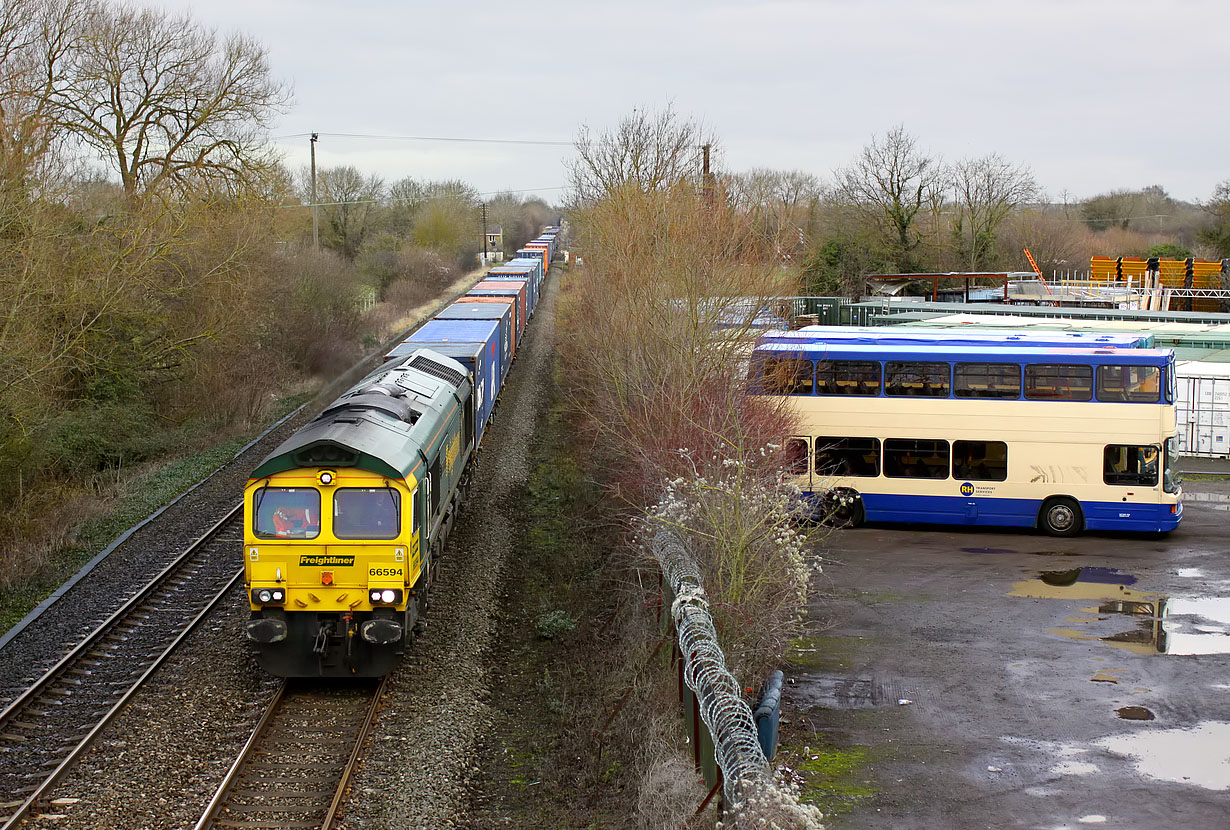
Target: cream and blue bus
[[1063, 439]]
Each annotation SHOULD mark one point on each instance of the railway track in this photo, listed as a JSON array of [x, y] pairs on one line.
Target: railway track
[[44, 730], [295, 769]]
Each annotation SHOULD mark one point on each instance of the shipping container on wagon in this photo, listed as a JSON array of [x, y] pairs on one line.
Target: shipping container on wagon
[[503, 288], [500, 312], [518, 274], [551, 243], [473, 343], [545, 247], [507, 302], [539, 253], [534, 263]]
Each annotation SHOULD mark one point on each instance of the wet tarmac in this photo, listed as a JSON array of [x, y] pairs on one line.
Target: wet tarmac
[[1049, 683]]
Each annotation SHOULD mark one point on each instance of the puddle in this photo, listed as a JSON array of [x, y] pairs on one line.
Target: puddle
[[1198, 756], [987, 550], [1178, 625]]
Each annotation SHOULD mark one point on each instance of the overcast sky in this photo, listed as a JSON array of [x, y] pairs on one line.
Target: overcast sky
[[1091, 95]]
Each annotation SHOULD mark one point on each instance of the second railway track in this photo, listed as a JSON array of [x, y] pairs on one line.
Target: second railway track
[[294, 771], [44, 730]]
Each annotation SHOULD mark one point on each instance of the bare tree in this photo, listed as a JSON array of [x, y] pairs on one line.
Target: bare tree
[[348, 203], [166, 102], [986, 190], [1053, 239], [647, 151], [36, 36], [888, 184], [779, 204]]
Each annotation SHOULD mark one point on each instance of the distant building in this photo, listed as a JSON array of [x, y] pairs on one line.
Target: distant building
[[495, 239]]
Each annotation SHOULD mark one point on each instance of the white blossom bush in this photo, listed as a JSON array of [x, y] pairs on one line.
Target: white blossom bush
[[747, 529], [771, 804]]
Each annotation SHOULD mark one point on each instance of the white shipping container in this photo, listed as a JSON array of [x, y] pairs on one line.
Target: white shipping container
[[1202, 402]]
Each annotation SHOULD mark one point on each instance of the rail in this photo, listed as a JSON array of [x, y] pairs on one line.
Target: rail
[[115, 660], [295, 769]]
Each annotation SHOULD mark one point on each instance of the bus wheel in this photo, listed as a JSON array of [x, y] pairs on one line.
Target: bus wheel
[[845, 508], [1061, 516]]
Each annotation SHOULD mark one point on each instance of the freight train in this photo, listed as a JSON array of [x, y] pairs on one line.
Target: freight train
[[345, 522]]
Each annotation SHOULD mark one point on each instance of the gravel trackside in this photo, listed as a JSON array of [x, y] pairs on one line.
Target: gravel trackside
[[422, 751]]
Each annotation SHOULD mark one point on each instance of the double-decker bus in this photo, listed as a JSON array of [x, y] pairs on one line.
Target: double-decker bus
[[1063, 439]]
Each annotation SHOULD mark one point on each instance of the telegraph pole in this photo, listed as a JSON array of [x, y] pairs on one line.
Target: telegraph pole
[[484, 233], [315, 217], [706, 177]]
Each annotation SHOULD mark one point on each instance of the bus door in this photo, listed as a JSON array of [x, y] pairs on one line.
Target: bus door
[[798, 462]]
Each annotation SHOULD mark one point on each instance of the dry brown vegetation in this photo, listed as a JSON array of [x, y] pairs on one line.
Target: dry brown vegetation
[[658, 328]]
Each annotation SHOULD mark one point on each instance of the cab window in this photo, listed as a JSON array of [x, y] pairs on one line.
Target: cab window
[[286, 513], [366, 513]]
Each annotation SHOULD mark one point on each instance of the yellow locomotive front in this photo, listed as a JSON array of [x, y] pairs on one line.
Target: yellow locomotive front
[[332, 561]]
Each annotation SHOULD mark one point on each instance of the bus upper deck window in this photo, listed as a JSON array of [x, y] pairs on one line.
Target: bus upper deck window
[[987, 380], [787, 376], [1129, 384], [848, 377], [1058, 382], [916, 379]]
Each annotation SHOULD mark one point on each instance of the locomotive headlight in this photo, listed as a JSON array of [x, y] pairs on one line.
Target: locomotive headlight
[[384, 596], [268, 596], [326, 477]]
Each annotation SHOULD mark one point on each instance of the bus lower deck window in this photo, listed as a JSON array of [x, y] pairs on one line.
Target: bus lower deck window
[[847, 456], [796, 456], [915, 458], [980, 460]]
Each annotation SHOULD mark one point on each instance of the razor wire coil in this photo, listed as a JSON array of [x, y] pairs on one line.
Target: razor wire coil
[[722, 708]]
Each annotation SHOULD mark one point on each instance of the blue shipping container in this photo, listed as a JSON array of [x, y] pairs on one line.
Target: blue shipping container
[[500, 312], [476, 345]]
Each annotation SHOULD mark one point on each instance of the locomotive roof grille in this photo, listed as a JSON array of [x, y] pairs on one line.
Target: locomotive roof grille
[[431, 367]]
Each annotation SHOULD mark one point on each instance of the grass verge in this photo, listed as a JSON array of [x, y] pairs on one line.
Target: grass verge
[[132, 499]]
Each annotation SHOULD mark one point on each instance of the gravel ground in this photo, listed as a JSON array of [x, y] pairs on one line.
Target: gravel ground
[[161, 760], [422, 752]]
